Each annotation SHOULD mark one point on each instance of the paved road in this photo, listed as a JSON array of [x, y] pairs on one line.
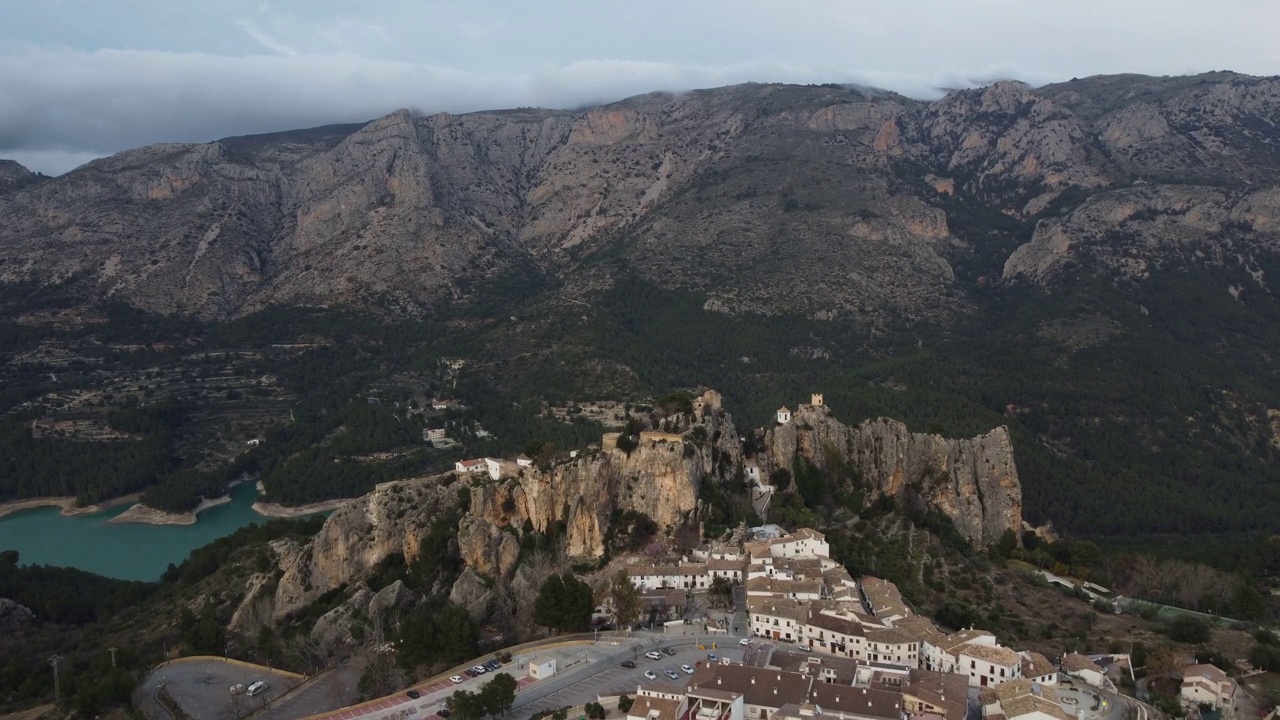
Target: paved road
[[202, 688], [333, 688]]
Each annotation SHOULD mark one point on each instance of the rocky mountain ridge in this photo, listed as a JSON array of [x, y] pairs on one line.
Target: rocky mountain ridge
[[816, 193], [576, 501], [974, 481]]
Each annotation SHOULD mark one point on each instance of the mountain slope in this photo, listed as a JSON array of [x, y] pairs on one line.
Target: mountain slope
[[1092, 263]]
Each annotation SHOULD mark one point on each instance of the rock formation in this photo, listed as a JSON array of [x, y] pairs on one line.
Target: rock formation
[[828, 198], [13, 615], [659, 478], [390, 520], [974, 481]]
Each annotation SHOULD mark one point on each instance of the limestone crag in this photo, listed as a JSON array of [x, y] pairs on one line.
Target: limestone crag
[[390, 520], [1128, 233], [972, 481], [659, 478], [13, 615]]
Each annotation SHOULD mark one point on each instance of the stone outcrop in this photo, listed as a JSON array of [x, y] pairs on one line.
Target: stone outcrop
[[657, 478], [471, 592], [13, 615], [334, 627], [391, 520], [1127, 233], [972, 481]]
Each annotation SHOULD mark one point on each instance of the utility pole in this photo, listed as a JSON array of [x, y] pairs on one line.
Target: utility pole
[[57, 688], [113, 656]]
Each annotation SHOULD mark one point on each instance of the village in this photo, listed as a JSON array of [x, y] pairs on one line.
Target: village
[[819, 644]]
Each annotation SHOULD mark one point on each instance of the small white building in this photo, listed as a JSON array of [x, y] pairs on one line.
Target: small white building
[[542, 667], [524, 460], [751, 469], [476, 466], [1079, 666], [435, 434], [784, 415]]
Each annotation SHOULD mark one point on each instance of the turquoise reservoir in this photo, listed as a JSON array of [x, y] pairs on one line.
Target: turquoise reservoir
[[43, 536]]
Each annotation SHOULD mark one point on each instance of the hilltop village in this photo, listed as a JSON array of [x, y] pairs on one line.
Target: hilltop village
[[846, 648]]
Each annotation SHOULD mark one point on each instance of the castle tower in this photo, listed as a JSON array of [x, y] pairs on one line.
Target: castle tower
[[816, 400], [784, 415]]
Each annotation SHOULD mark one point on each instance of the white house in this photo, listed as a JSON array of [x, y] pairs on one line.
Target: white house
[[470, 466], [775, 618], [524, 460], [988, 665], [1079, 666], [801, 543], [784, 415], [752, 470], [1207, 685], [1038, 669], [693, 576], [500, 469], [1023, 700], [435, 434]]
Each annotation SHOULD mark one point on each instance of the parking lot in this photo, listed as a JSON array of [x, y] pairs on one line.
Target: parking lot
[[608, 677], [202, 688]]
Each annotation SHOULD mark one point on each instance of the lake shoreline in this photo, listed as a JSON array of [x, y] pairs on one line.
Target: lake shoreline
[[140, 513], [68, 505], [273, 510]]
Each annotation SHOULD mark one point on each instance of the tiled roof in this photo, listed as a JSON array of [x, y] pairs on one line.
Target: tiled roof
[[654, 707], [865, 702], [1075, 662], [889, 636], [991, 653], [759, 686], [833, 623], [1035, 665]]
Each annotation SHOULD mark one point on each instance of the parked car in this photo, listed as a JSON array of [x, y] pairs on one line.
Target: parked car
[[653, 655], [687, 670], [744, 642], [237, 689], [712, 657], [443, 712], [456, 679], [470, 672], [672, 674], [480, 669], [492, 665], [651, 674], [628, 663], [413, 694], [669, 651]]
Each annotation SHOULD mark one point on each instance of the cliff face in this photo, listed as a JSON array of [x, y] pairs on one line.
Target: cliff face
[[1130, 232], [390, 520], [831, 200], [659, 479], [972, 481]]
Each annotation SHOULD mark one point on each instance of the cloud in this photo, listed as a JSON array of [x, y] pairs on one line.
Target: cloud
[[58, 105], [262, 38]]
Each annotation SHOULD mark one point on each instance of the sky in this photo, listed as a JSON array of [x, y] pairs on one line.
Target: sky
[[81, 79]]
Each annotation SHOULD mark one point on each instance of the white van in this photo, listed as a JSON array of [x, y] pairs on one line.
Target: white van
[[257, 688]]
